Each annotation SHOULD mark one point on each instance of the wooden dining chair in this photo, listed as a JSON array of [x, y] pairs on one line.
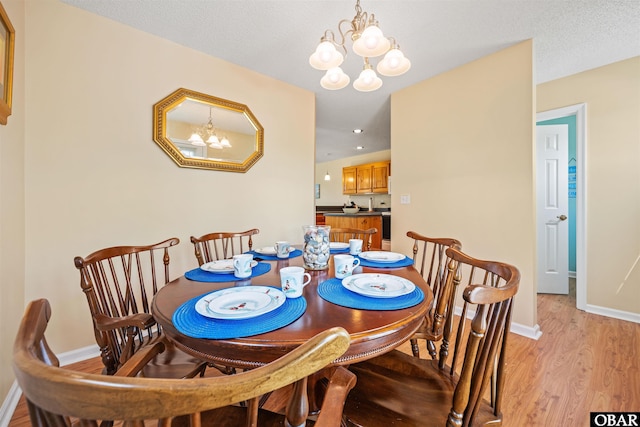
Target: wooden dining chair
[[344, 234], [430, 259], [222, 245], [61, 397], [119, 283], [402, 390]]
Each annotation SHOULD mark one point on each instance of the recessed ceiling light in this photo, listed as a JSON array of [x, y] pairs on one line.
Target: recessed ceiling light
[[360, 147], [358, 131]]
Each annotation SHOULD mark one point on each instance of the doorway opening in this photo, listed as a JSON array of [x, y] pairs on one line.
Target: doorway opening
[[579, 111]]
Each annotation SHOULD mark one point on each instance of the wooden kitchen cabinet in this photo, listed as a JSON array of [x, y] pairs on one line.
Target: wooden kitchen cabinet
[[380, 173], [349, 180], [362, 222], [366, 179]]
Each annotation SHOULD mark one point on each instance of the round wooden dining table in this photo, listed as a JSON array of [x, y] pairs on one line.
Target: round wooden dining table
[[372, 332]]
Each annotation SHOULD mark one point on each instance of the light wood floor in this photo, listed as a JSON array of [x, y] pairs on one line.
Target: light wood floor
[[582, 363]]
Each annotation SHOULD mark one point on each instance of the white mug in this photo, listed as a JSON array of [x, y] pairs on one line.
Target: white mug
[[242, 265], [292, 280], [355, 246], [345, 264], [282, 249]]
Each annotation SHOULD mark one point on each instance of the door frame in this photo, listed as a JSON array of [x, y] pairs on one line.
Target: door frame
[[580, 111]]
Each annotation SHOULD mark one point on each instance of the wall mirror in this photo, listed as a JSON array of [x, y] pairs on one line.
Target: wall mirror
[[204, 132]]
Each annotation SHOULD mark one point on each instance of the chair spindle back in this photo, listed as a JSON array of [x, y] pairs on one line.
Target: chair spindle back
[[222, 245]]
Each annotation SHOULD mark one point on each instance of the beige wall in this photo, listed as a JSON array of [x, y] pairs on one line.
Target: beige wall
[[83, 173], [12, 213], [94, 177], [461, 146], [612, 98], [331, 191]]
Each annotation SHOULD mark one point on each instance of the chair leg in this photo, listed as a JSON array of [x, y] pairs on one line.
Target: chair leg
[[315, 391], [298, 407], [431, 347], [252, 412], [414, 347]]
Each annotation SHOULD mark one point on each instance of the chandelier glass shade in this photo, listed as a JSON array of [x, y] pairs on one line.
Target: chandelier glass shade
[[207, 134], [368, 42]]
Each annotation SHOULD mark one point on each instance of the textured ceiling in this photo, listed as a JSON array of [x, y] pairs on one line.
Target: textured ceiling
[[276, 38]]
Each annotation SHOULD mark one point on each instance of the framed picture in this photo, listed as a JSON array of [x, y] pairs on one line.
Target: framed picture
[[7, 43], [317, 191]]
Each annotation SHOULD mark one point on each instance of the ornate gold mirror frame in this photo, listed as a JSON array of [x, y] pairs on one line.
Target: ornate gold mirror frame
[[7, 47], [205, 132]]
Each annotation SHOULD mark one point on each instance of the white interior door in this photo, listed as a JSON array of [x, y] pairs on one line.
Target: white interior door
[[553, 206]]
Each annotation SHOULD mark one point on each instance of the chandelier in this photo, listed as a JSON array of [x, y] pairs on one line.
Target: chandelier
[[207, 132], [368, 42]]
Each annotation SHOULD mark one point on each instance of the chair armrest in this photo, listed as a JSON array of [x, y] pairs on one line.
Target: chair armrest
[[138, 320], [341, 381], [139, 360]]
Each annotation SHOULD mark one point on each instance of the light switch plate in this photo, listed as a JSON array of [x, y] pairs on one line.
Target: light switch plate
[[405, 199]]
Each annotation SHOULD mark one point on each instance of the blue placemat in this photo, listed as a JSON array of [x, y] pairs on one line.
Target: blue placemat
[[402, 263], [333, 291], [199, 275], [189, 322], [339, 251], [295, 253]]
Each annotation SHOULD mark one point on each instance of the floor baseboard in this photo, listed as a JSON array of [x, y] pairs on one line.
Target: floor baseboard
[[616, 314], [13, 396], [532, 332], [9, 404]]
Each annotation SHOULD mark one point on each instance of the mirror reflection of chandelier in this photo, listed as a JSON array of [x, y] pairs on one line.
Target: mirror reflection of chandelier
[[368, 42], [207, 132]]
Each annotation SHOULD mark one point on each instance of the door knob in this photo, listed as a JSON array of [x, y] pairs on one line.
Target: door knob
[[562, 217]]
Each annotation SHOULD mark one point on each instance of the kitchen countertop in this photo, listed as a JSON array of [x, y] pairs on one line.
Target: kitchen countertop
[[361, 213], [337, 211]]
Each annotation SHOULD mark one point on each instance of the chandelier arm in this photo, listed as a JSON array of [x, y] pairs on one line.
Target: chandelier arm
[[359, 22], [343, 35], [331, 37], [393, 42], [356, 26]]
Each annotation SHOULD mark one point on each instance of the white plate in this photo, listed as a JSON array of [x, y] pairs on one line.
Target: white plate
[[236, 302], [249, 301], [338, 245], [381, 256], [378, 285], [271, 251], [266, 251], [223, 266]]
